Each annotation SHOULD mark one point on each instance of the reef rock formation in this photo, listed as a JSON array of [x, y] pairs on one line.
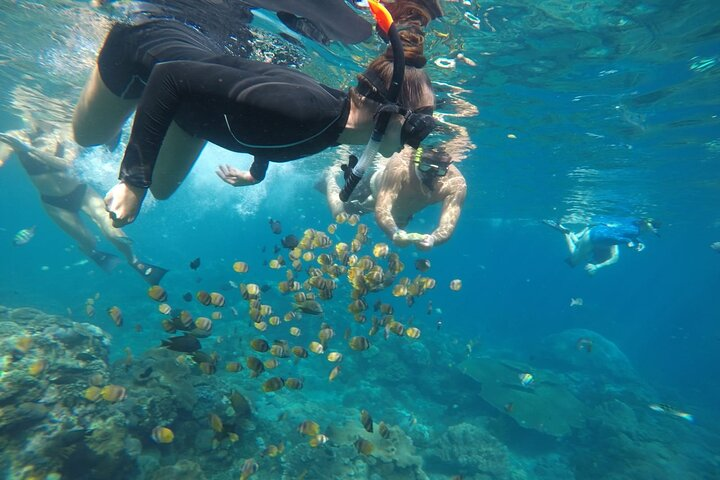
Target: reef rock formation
[[392, 458], [546, 405], [470, 451], [604, 358], [47, 427]]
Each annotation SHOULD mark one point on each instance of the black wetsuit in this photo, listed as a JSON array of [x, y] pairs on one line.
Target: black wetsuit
[[270, 111]]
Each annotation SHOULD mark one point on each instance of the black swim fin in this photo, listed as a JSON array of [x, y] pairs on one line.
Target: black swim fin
[[152, 274], [106, 261]]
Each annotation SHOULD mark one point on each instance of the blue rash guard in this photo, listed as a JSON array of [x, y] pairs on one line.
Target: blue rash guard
[[614, 231]]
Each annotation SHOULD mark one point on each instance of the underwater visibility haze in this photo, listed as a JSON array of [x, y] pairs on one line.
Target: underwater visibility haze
[[488, 357]]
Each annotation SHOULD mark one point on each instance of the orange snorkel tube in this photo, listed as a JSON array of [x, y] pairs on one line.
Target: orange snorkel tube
[[387, 25]]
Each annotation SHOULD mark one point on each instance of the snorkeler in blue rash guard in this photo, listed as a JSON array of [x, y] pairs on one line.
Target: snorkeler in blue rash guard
[[598, 243]]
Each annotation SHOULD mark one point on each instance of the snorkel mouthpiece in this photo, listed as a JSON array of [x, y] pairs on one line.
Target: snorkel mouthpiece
[[386, 24]]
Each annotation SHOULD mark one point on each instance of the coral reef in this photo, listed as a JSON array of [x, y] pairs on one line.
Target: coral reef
[[47, 427], [392, 458], [546, 406], [470, 451], [604, 358]]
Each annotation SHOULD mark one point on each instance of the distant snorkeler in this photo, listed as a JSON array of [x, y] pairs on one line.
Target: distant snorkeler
[[188, 91], [47, 155], [407, 183], [598, 243]]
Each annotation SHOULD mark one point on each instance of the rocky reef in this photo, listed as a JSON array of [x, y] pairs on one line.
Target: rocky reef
[[47, 427]]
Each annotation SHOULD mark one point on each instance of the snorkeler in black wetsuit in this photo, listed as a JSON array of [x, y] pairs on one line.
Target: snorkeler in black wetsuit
[[189, 90]]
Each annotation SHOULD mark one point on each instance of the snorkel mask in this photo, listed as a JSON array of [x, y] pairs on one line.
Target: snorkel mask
[[431, 165], [416, 126]]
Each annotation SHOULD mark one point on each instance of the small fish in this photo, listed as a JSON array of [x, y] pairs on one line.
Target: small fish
[[37, 367], [195, 264], [576, 302], [216, 423], [310, 307], [334, 373], [384, 430], [456, 284], [359, 343], [185, 343], [334, 357], [715, 246], [366, 421], [584, 343], [422, 264], [217, 299], [290, 241], [316, 347], [412, 332], [318, 440], [364, 446], [187, 296], [24, 236], [113, 393], [664, 408], [203, 297], [248, 469], [275, 226], [162, 435], [157, 293], [116, 315], [310, 428], [233, 367], [259, 345], [294, 383], [526, 379], [439, 324], [240, 267]]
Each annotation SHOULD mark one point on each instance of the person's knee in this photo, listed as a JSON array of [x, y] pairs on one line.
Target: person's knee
[[84, 135], [162, 192]]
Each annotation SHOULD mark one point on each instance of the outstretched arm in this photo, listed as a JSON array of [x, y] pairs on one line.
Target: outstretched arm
[[332, 188], [7, 141], [452, 207], [591, 268], [54, 152], [392, 182]]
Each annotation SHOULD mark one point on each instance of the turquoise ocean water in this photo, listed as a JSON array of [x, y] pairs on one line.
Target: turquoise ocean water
[[584, 109]]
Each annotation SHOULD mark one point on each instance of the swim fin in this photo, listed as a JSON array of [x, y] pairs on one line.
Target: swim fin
[[152, 274], [106, 261], [556, 226]]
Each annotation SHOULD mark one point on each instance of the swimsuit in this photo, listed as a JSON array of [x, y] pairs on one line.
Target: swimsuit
[[272, 112], [72, 201]]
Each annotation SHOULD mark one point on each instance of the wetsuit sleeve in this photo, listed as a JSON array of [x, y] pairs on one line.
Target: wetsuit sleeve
[[170, 85], [452, 207], [258, 169]]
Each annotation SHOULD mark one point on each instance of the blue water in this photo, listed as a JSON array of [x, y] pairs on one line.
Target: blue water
[[615, 109]]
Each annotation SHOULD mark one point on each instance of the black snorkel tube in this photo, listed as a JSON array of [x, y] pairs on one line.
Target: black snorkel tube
[[356, 169]]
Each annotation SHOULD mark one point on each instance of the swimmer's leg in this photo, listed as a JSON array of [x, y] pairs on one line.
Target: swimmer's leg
[[99, 114], [94, 207], [177, 156], [71, 224]]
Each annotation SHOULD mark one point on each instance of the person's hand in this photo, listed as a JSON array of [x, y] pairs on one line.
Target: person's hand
[[234, 177], [15, 143], [591, 268], [401, 238], [123, 203], [426, 242]]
